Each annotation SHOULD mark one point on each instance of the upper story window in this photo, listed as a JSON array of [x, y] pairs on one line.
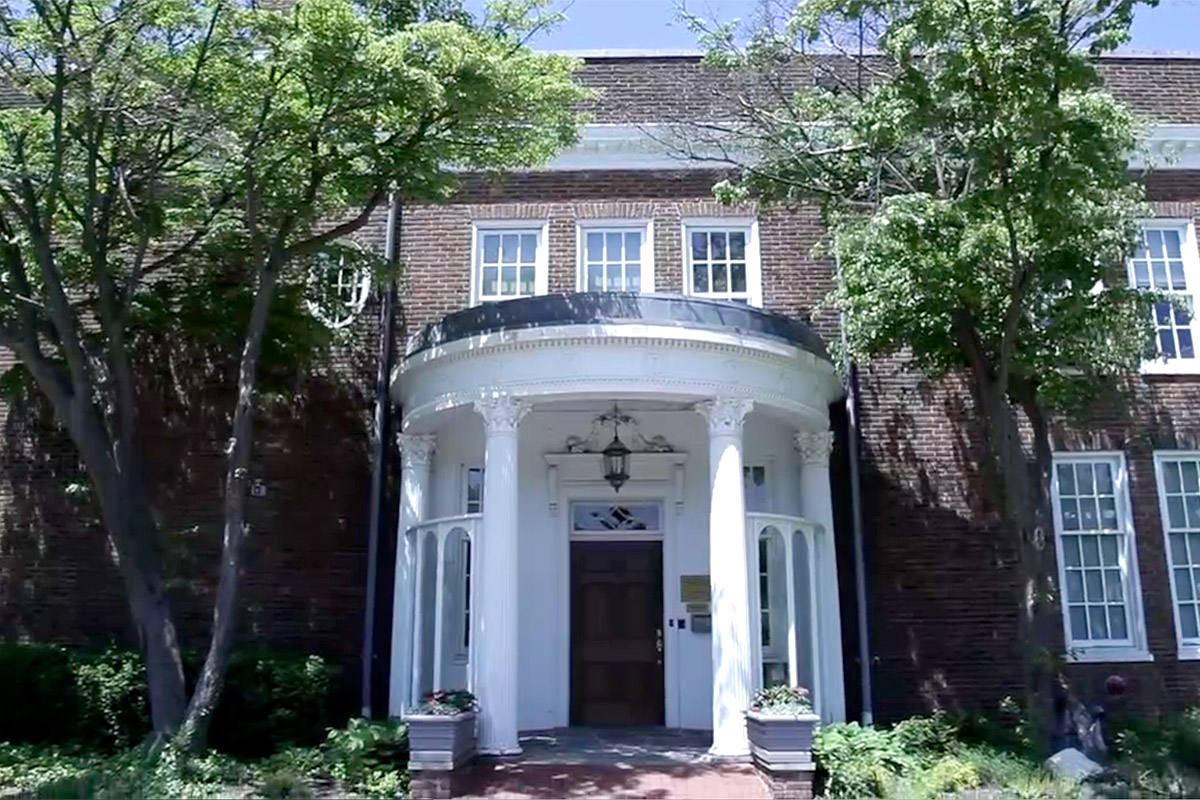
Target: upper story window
[[722, 261], [1178, 475], [615, 257], [1097, 558], [1166, 261], [510, 261], [340, 283]]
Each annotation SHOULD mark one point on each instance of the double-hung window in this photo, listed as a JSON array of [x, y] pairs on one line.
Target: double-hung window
[[1167, 262], [509, 261], [615, 257], [722, 261], [1097, 558], [1178, 475]]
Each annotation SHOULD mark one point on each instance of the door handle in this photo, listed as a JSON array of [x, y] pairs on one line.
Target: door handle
[[658, 640]]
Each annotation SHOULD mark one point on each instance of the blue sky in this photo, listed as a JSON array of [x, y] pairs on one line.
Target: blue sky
[[650, 24]]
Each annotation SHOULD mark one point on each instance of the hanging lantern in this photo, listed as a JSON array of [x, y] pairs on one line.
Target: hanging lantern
[[616, 461]]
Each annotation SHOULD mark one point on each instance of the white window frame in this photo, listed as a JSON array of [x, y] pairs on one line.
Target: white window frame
[[643, 226], [541, 278], [1189, 649], [360, 285], [1135, 649], [1191, 273], [748, 225]]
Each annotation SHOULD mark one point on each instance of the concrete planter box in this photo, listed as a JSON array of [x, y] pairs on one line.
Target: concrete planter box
[[440, 742], [781, 743]]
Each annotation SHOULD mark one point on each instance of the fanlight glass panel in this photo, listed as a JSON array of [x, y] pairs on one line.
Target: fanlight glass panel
[[426, 605], [600, 517]]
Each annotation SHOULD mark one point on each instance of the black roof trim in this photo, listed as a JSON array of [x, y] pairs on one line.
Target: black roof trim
[[584, 308]]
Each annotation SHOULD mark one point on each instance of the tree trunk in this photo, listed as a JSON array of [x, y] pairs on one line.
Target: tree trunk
[[193, 734], [1021, 492]]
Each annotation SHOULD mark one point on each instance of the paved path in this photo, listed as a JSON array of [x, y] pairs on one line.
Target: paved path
[[654, 782]]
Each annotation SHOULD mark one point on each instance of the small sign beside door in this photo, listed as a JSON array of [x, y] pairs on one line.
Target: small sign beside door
[[695, 589]]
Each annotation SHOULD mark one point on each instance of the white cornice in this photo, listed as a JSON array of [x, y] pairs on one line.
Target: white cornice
[[647, 147]]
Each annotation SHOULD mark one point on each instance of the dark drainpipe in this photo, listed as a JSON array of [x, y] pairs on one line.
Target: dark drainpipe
[[383, 415]]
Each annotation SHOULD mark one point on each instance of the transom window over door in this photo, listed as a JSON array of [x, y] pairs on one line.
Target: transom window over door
[[722, 262], [1179, 500], [616, 258], [1101, 595], [509, 263], [1166, 261]]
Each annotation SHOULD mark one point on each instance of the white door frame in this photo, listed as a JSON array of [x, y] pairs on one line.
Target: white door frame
[[660, 491]]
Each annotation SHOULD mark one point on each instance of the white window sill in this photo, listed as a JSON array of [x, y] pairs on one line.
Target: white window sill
[[1176, 366], [1189, 652], [1107, 655]]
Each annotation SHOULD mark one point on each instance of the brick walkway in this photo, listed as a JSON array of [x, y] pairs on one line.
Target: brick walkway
[[659, 782]]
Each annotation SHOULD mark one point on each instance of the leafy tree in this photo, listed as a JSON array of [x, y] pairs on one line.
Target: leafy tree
[[973, 174], [224, 141]]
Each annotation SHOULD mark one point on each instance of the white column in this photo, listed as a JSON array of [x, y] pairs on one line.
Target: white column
[[416, 454], [731, 648], [816, 500], [496, 648]]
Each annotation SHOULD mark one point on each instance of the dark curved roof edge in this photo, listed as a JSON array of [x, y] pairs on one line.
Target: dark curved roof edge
[[615, 308]]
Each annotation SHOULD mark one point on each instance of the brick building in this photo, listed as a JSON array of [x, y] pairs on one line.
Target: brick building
[[537, 582]]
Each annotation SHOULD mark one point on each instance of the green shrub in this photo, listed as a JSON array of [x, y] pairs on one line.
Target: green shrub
[[857, 761], [1159, 758], [37, 694], [273, 699], [114, 711], [370, 756]]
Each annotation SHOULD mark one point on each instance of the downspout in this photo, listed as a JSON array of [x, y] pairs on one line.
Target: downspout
[[860, 562], [383, 418]]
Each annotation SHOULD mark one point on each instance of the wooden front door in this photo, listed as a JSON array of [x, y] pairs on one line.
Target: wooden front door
[[616, 633]]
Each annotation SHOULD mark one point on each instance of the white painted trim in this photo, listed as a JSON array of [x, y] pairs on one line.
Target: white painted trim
[[541, 274], [1188, 649], [1137, 648], [1191, 273], [642, 225], [648, 146], [753, 291]]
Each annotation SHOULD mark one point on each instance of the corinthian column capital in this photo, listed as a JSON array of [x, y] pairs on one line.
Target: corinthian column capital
[[416, 449], [814, 447], [501, 413], [725, 415]]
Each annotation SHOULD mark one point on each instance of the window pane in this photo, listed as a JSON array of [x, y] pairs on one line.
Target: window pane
[[1183, 584], [699, 246], [1113, 590], [1071, 551], [508, 279], [614, 251], [595, 246], [737, 245], [611, 517], [1141, 274], [1171, 240], [1083, 475], [613, 279], [633, 278], [595, 278], [528, 248], [1066, 479], [633, 246], [1166, 343], [1193, 510], [1154, 243], [1070, 515], [700, 278], [1175, 269], [1187, 347], [527, 279], [1079, 626], [1075, 586], [1158, 271], [738, 280], [720, 278], [490, 279], [1091, 551], [1187, 622], [717, 243], [1117, 628], [1097, 622], [1089, 518], [1108, 550], [1175, 514], [1094, 584], [1108, 513], [1190, 470], [491, 248], [1179, 554], [509, 243]]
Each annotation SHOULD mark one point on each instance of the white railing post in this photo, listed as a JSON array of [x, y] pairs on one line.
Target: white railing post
[[439, 609]]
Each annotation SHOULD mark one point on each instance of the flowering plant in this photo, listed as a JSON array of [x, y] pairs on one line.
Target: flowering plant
[[447, 702], [782, 700]]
